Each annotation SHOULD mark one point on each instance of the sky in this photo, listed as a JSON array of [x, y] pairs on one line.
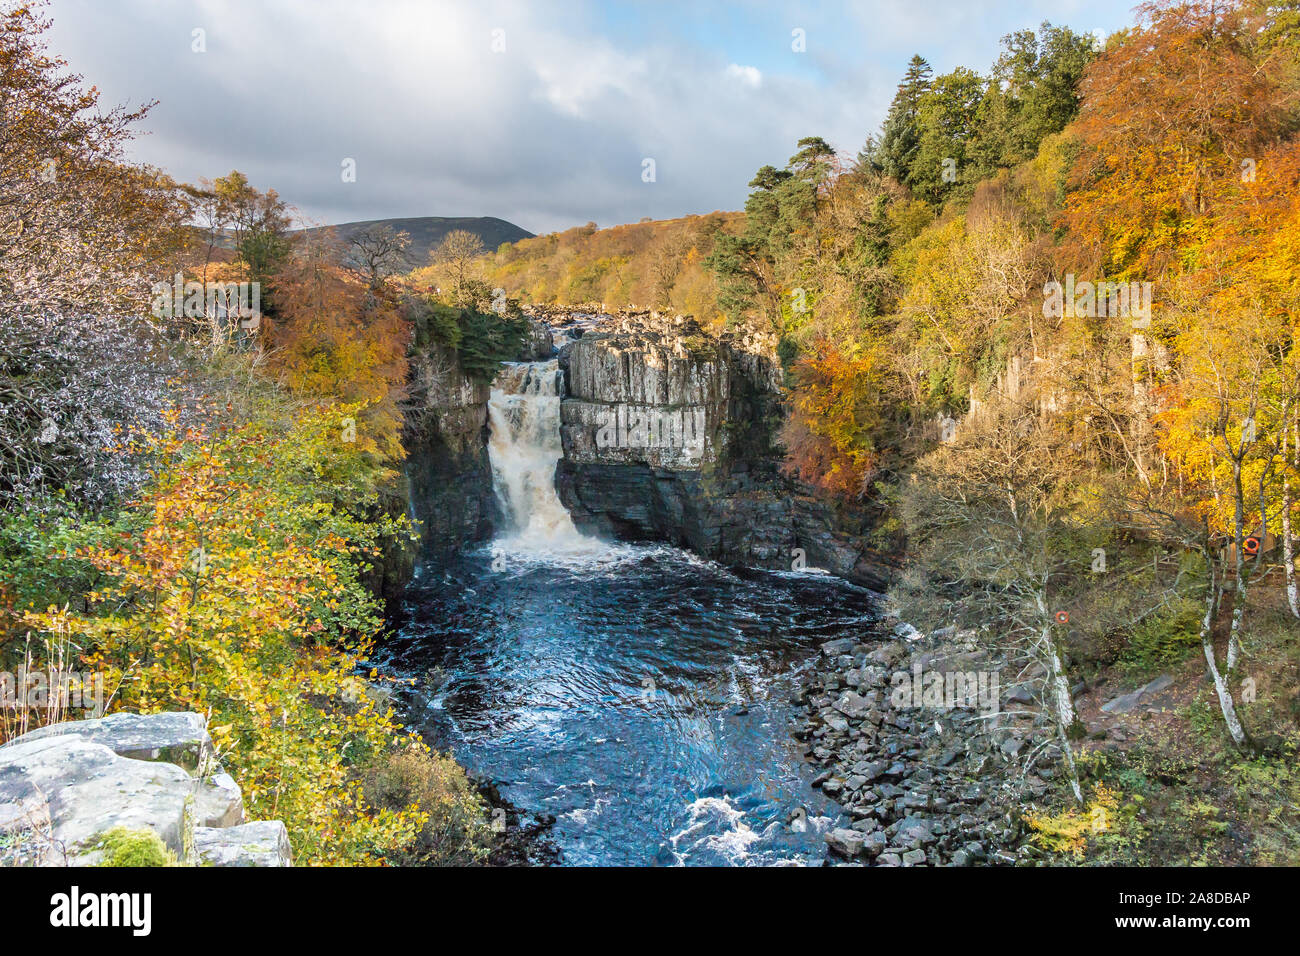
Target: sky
[[541, 113]]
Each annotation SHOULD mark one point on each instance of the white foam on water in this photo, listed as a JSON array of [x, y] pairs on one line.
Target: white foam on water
[[584, 815], [717, 825]]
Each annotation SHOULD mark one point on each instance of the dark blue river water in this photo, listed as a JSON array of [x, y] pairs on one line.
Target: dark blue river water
[[638, 693]]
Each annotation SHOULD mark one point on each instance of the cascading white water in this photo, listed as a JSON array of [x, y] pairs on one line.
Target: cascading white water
[[524, 448]]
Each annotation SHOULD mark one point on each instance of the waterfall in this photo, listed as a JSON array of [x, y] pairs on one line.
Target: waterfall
[[524, 448]]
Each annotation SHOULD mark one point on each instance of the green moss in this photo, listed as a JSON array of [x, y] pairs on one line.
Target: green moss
[[123, 847], [700, 346]]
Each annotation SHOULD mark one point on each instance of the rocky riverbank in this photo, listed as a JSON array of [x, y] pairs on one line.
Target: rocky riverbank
[[929, 745]]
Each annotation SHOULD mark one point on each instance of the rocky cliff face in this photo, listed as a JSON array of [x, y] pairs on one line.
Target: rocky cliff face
[[448, 477], [450, 482], [668, 435]]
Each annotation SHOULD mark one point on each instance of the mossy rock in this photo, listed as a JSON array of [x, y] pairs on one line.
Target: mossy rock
[[123, 847]]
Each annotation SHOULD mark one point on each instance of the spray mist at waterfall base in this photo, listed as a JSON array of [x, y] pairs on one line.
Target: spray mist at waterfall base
[[638, 694]]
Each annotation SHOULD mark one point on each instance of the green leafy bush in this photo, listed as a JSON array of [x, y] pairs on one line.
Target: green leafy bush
[[455, 832]]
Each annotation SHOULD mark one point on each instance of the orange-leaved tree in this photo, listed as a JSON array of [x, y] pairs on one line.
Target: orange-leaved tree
[[835, 433], [336, 338]]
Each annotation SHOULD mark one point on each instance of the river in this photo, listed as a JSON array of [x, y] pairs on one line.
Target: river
[[640, 694]]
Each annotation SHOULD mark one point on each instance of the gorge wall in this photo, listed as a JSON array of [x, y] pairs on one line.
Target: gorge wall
[[449, 480], [668, 435]]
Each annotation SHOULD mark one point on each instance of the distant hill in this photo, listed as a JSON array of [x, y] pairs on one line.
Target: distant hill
[[427, 231], [651, 264]]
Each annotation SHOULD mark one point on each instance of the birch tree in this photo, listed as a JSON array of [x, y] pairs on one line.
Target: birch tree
[[988, 521]]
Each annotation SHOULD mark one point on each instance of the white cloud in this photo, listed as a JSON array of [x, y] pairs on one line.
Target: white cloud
[[550, 132], [749, 75]]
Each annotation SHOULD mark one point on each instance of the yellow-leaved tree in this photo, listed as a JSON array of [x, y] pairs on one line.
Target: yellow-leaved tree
[[236, 593]]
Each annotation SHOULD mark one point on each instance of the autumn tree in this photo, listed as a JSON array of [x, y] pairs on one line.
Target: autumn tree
[[459, 254], [989, 523], [1159, 514], [238, 594], [333, 339], [258, 224], [78, 225], [377, 252], [1194, 107], [836, 435], [83, 235]]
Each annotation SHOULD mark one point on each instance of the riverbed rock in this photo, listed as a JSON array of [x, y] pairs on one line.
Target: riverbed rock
[[848, 843], [852, 705], [927, 786]]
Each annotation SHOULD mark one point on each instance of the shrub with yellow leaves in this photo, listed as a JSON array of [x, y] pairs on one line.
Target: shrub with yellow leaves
[[237, 593]]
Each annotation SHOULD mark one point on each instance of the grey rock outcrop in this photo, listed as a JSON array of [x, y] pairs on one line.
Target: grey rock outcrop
[[668, 433], [265, 843], [540, 344], [448, 475], [657, 391], [1126, 703], [63, 786], [62, 792], [179, 738]]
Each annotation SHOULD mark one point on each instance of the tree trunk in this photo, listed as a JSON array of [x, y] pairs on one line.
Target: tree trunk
[[1288, 546], [1239, 587], [1065, 715], [1230, 718]]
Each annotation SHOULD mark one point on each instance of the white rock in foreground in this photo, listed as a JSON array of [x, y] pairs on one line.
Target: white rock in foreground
[[63, 786], [265, 843]]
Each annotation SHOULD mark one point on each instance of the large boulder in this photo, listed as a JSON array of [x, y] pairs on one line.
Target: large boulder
[[64, 786], [1126, 703], [219, 802], [179, 738], [265, 843], [62, 792]]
